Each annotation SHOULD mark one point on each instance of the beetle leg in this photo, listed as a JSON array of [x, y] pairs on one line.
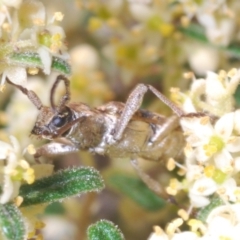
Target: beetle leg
[[152, 184], [166, 128], [54, 149], [134, 102]]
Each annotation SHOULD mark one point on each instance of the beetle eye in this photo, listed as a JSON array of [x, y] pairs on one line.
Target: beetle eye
[[59, 121]]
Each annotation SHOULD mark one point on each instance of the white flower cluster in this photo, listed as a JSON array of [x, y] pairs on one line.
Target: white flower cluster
[[217, 18], [13, 169], [213, 139], [212, 158], [222, 223], [26, 26]]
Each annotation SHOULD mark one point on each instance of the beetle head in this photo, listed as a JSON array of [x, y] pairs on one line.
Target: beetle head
[[54, 121], [51, 125]]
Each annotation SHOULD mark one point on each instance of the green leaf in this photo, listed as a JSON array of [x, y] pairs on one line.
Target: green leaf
[[204, 212], [234, 50], [196, 32], [61, 65], [11, 222], [32, 59], [104, 230], [137, 191], [237, 97], [61, 185], [55, 208]]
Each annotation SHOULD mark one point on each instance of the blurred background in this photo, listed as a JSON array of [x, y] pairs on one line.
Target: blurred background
[[113, 45]]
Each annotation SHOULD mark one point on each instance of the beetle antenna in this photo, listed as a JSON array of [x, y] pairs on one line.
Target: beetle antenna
[[65, 98], [29, 93]]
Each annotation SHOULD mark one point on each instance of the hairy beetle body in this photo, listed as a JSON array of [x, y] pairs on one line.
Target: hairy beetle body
[[116, 129]]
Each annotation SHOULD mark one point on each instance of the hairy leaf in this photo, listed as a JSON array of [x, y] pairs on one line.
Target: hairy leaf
[[61, 185], [32, 59], [204, 212], [11, 222], [104, 230]]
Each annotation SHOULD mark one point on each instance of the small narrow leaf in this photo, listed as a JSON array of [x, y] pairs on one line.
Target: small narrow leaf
[[61, 185], [32, 59], [11, 222], [234, 50], [137, 191], [204, 212], [61, 65], [194, 31], [104, 230], [237, 97]]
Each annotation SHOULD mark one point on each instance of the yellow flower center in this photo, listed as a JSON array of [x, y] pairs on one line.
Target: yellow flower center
[[129, 51], [217, 175], [94, 24], [20, 173], [56, 42], [156, 23], [44, 38], [16, 175], [209, 171], [215, 145]]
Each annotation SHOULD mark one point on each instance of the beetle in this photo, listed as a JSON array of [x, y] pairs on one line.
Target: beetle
[[115, 129]]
